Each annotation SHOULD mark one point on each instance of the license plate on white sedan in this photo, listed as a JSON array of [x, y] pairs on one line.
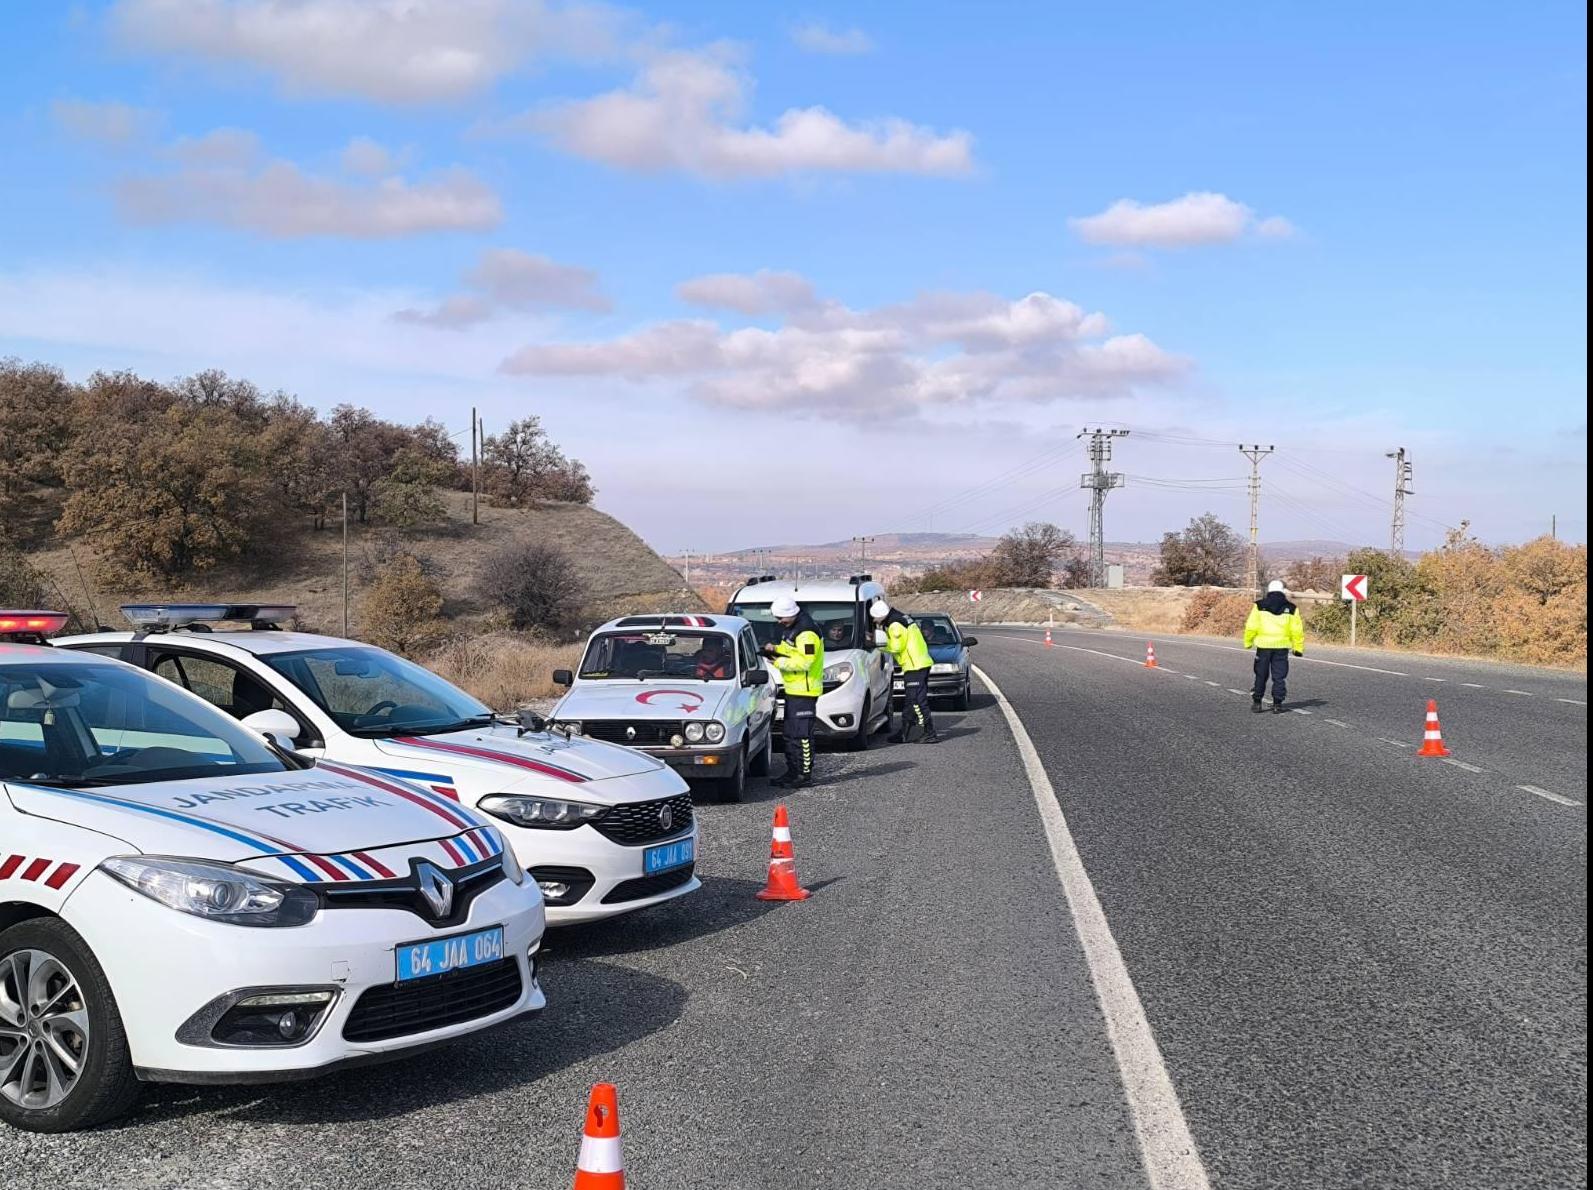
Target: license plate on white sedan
[[416, 960], [669, 855]]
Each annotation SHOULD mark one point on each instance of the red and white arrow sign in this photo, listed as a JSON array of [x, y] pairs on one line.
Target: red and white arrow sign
[[975, 596], [1353, 587]]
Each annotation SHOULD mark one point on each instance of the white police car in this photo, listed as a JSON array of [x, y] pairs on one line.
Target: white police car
[[856, 703], [691, 690], [180, 902], [602, 829]]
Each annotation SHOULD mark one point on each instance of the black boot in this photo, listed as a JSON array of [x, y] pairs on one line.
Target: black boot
[[786, 780], [1255, 706], [1279, 709], [932, 738]]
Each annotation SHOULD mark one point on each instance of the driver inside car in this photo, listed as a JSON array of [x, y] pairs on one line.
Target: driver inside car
[[714, 662]]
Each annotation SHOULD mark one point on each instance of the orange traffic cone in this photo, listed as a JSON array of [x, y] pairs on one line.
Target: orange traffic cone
[[1150, 655], [1048, 638], [782, 884], [601, 1165], [1433, 737]]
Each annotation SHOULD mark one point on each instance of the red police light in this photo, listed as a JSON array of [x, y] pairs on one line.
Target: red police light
[[32, 622]]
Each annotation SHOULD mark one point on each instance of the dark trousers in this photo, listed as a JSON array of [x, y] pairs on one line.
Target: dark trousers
[[800, 710], [915, 709], [1273, 662]]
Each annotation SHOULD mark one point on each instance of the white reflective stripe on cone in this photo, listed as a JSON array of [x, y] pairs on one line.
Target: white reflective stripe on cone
[[782, 834], [600, 1154]]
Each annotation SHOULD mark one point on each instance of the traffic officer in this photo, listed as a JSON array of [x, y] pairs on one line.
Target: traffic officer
[[799, 656], [905, 640], [1274, 629]]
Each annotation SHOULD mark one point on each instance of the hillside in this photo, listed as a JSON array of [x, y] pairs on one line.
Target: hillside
[[620, 573]]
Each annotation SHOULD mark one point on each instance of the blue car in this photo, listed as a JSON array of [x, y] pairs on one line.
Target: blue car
[[949, 676]]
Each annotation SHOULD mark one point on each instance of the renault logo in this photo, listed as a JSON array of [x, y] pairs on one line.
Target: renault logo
[[436, 887], [630, 733], [666, 817]]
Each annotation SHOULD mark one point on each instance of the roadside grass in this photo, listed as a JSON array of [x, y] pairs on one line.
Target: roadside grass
[[503, 669]]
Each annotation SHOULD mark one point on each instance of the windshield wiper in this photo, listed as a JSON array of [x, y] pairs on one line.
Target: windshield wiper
[[643, 674], [62, 782]]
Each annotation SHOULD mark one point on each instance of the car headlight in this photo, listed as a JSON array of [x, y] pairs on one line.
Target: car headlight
[[714, 732], [840, 672], [693, 733], [944, 667], [214, 891], [543, 813], [511, 862]]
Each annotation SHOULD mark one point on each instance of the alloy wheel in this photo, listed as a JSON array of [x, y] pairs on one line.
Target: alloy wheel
[[44, 1029]]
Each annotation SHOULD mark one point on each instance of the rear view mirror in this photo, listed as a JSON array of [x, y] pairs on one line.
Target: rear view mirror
[[563, 677], [969, 642], [755, 677]]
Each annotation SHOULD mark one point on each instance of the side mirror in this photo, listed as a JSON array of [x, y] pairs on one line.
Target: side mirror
[[880, 639], [281, 728], [755, 677], [969, 642], [563, 677]]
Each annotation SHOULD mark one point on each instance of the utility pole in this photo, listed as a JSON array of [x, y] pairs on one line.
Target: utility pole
[[861, 544], [1099, 481], [1402, 488], [688, 570], [475, 471], [1255, 454], [345, 564]]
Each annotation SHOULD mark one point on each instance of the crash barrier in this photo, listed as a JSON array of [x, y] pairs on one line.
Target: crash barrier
[[782, 884], [1433, 736], [601, 1165]]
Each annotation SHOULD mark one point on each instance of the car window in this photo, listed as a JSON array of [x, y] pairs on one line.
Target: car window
[[673, 653], [370, 692], [749, 650], [938, 630], [111, 650], [103, 724], [836, 622], [219, 683]]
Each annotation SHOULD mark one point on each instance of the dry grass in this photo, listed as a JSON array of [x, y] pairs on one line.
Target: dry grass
[[1145, 609], [503, 669]]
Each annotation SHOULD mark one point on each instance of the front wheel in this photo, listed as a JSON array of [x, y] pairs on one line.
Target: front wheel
[[64, 1062], [864, 736], [964, 697], [734, 787], [763, 759]]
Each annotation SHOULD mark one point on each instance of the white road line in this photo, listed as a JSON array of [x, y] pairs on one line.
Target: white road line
[[1461, 764], [1575, 702], [1528, 693], [1544, 793], [1209, 682], [1202, 644], [1474, 685], [1193, 677], [1383, 739], [1298, 711], [1336, 722], [1167, 1150], [1077, 649], [1231, 690], [1425, 678]]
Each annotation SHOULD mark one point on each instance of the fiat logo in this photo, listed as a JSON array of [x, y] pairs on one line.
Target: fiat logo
[[666, 818]]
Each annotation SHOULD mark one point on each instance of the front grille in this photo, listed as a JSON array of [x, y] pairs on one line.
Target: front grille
[[639, 822], [404, 893], [420, 1005], [648, 886], [649, 732]]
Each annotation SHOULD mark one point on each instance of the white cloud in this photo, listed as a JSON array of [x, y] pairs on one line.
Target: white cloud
[[399, 51], [936, 351], [1196, 219], [763, 292], [508, 279], [818, 38], [110, 123], [224, 178], [362, 155], [685, 111]]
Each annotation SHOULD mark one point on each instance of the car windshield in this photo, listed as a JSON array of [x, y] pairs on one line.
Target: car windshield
[[109, 724], [370, 692], [938, 630], [660, 653], [837, 622]]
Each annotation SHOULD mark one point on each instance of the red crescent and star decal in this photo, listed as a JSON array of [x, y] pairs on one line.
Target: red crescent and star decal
[[686, 708]]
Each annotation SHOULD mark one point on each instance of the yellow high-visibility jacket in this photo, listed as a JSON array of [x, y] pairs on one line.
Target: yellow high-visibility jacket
[[800, 660], [1275, 623], [905, 641]]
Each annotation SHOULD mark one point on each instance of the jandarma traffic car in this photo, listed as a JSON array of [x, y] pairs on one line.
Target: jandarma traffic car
[[182, 902], [602, 829], [691, 690]]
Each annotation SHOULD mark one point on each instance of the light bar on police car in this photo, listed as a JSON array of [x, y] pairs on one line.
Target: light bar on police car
[[31, 623], [178, 615]]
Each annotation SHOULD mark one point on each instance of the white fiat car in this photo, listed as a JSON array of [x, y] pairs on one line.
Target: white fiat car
[[688, 689], [856, 703], [181, 902], [603, 830]]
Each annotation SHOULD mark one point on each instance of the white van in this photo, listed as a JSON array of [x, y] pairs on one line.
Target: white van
[[856, 703]]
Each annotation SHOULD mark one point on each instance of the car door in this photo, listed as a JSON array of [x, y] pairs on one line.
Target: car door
[[758, 700]]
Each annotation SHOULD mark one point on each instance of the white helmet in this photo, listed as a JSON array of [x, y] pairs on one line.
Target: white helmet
[[1275, 585], [879, 609], [784, 608]]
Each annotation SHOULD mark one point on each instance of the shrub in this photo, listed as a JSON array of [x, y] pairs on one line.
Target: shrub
[[1199, 607], [536, 586], [22, 585], [504, 669], [402, 609], [1217, 613]]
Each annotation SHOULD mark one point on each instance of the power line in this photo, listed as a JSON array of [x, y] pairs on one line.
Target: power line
[[1099, 481], [1255, 453]]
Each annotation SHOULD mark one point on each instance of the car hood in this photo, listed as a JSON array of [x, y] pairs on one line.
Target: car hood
[[331, 810], [643, 700], [515, 762], [944, 653]]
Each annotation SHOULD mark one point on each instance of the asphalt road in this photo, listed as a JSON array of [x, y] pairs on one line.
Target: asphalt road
[[1362, 969]]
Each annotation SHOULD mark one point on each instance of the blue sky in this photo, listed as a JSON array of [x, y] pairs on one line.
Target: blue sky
[[787, 275]]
